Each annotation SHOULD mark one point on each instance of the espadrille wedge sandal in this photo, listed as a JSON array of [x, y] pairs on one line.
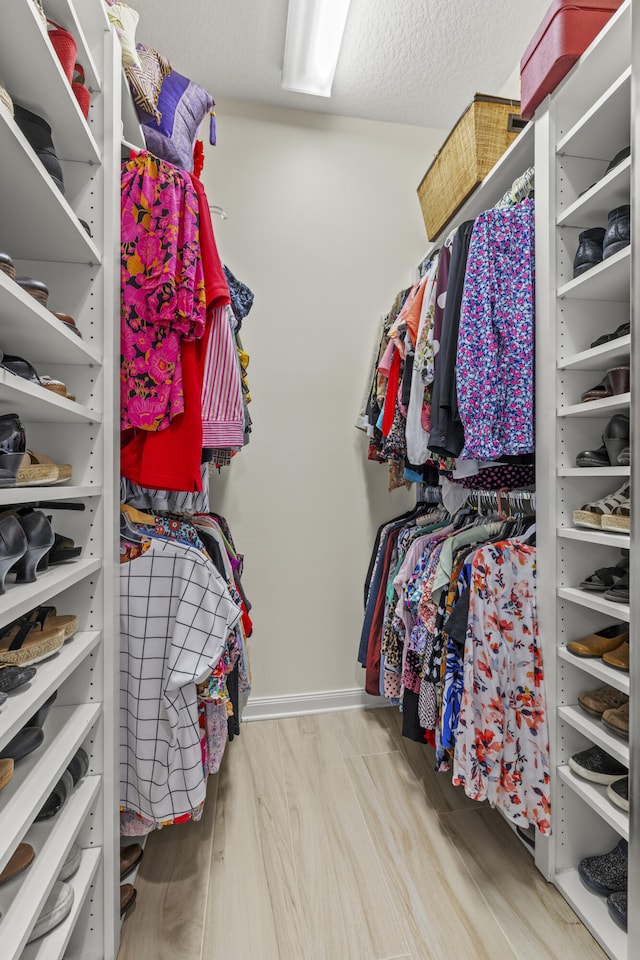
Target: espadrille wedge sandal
[[592, 514]]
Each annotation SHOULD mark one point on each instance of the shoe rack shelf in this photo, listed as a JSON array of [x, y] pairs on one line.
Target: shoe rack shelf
[[41, 230], [578, 131]]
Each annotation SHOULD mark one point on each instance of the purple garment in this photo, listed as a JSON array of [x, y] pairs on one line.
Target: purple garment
[[495, 356]]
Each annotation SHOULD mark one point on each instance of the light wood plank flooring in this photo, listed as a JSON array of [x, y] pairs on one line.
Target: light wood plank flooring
[[330, 838]]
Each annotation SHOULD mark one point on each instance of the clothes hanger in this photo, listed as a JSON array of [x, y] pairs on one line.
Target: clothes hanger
[[136, 516]]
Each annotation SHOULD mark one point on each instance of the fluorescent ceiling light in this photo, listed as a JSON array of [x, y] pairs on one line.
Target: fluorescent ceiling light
[[315, 29]]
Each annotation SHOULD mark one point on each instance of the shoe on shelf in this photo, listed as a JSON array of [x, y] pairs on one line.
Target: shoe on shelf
[[24, 369], [618, 233], [618, 658], [47, 618], [68, 321], [13, 443], [25, 742], [619, 592], [37, 469], [589, 252], [22, 858], [57, 798], [606, 577], [6, 772], [606, 872], [35, 288], [56, 909], [38, 133], [617, 905], [597, 644], [597, 766], [39, 717], [62, 551], [622, 331], [40, 539], [618, 793], [614, 439], [72, 864], [615, 382], [130, 857], [597, 701], [624, 457], [13, 546], [6, 265], [591, 514], [24, 642], [13, 676], [128, 894], [618, 720]]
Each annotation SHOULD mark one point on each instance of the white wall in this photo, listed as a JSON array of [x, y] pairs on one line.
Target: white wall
[[324, 226]]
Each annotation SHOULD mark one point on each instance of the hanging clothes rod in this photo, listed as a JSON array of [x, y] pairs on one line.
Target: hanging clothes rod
[[512, 502]]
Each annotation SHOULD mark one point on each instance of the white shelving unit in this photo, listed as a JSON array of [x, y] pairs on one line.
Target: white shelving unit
[[578, 131], [41, 230]]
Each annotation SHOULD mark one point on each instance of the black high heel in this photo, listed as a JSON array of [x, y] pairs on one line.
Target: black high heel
[[616, 436], [40, 538], [13, 546], [13, 445]]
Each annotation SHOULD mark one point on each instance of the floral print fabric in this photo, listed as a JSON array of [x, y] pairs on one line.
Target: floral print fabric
[[162, 289], [495, 354], [502, 741]]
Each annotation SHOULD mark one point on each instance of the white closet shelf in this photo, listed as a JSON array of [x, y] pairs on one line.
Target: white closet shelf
[[53, 946], [35, 79], [37, 404], [511, 165], [596, 731], [605, 124], [63, 12], [595, 408], [26, 700], [131, 129], [593, 207], [619, 611], [598, 67], [33, 332], [593, 912], [38, 223], [22, 899], [599, 358], [607, 281], [20, 598], [33, 494], [594, 472], [596, 667], [36, 775], [600, 538], [596, 797]]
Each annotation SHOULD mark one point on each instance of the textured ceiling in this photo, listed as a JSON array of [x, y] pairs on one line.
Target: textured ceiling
[[409, 61]]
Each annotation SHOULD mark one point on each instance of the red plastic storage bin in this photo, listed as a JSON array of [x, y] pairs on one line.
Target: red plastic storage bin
[[565, 33]]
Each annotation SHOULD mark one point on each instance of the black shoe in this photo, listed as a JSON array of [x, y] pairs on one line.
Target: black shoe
[[596, 765], [614, 439], [38, 133], [589, 251], [617, 904], [40, 539], [12, 676], [618, 233], [13, 445], [13, 546], [622, 331], [607, 872], [618, 793]]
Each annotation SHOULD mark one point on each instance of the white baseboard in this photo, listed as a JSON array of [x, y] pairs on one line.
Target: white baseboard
[[296, 705]]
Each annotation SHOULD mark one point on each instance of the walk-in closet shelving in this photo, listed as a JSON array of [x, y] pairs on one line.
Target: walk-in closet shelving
[[578, 131], [42, 231]]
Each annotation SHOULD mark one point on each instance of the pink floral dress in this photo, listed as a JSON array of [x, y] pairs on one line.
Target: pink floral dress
[[162, 289]]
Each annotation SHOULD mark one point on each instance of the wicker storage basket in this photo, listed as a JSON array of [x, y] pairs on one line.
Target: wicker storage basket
[[476, 143]]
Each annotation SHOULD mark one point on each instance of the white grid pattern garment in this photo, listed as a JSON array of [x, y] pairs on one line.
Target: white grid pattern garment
[[175, 616]]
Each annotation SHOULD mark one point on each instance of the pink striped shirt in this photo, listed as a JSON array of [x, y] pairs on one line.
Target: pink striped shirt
[[222, 409]]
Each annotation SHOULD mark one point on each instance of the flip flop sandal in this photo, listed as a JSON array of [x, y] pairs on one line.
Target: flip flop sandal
[[605, 578], [23, 368], [37, 469], [12, 677], [57, 798], [71, 864], [620, 592], [46, 618], [622, 331], [22, 858], [6, 772], [56, 909], [619, 520], [591, 514], [22, 642], [25, 742]]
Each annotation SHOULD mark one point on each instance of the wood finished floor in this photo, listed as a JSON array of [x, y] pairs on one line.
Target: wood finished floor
[[330, 838]]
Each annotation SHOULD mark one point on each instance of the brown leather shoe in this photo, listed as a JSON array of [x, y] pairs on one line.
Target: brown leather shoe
[[618, 658], [618, 720], [21, 859], [128, 894], [605, 698], [597, 644], [131, 856]]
